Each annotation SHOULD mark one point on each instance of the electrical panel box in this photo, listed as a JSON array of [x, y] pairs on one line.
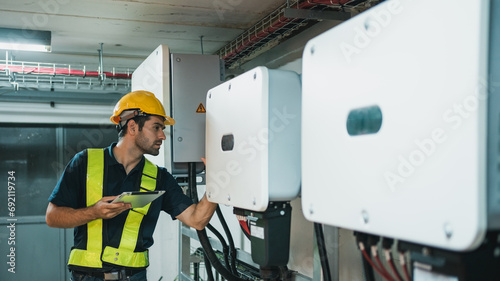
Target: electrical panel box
[[192, 76], [253, 139], [399, 132], [180, 82]]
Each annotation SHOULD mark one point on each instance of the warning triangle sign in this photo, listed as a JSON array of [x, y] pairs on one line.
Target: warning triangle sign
[[201, 109]]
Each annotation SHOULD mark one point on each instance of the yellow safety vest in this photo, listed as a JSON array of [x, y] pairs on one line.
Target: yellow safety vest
[[124, 255]]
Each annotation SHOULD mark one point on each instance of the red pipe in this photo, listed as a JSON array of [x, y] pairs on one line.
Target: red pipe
[[279, 23], [62, 71]]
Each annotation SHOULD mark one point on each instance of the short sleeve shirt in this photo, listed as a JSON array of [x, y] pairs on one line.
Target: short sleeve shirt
[[71, 189]]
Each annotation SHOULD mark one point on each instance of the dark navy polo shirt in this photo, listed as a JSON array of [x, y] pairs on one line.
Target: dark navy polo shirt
[[70, 192]]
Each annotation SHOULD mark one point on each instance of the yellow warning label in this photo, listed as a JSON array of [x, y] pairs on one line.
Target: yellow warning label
[[201, 109]]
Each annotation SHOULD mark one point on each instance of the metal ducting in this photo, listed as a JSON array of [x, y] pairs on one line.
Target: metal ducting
[[280, 24]]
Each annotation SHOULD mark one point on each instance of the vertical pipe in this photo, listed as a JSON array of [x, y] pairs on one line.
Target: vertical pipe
[[196, 269], [101, 76], [201, 42], [99, 63]]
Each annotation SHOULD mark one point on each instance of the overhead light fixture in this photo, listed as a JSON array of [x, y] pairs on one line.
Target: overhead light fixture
[[25, 40]]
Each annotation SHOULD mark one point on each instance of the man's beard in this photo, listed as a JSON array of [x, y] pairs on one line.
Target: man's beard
[[146, 148]]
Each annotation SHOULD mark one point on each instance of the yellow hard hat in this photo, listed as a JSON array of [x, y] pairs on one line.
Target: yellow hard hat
[[142, 103]]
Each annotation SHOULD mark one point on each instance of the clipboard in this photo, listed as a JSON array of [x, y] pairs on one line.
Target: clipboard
[[138, 199]]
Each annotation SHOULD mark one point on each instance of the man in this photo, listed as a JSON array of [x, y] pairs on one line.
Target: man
[[111, 240]]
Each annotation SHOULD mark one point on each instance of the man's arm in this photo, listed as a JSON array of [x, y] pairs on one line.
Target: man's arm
[[66, 217], [198, 215]]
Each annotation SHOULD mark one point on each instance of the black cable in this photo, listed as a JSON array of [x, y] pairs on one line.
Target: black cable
[[225, 248], [205, 243], [202, 234], [208, 267], [196, 270], [323, 255], [194, 196], [229, 239], [247, 235], [193, 193], [367, 268]]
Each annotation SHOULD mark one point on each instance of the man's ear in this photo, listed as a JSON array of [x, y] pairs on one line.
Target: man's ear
[[133, 128]]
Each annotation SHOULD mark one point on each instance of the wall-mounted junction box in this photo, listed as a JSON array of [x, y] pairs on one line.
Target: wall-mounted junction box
[[192, 76], [180, 82], [253, 139], [400, 135]]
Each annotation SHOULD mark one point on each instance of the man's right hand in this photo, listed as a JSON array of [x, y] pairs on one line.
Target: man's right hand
[[66, 217], [104, 209]]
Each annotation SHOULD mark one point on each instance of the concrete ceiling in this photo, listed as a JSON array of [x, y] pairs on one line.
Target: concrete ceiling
[[131, 29]]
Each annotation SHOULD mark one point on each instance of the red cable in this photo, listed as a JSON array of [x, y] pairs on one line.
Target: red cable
[[373, 265], [382, 267], [388, 258], [244, 226], [63, 71], [379, 262], [391, 264], [405, 270], [403, 265]]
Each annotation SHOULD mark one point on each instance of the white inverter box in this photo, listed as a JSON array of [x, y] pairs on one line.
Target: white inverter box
[[399, 132], [253, 139]]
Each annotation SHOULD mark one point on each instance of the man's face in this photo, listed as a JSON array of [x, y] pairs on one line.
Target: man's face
[[149, 140]]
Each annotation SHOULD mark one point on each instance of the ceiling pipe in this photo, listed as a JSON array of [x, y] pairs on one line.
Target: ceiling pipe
[[61, 71], [102, 76], [201, 43], [269, 26], [258, 32]]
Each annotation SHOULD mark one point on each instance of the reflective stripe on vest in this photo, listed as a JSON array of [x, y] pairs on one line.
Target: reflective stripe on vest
[[124, 255]]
